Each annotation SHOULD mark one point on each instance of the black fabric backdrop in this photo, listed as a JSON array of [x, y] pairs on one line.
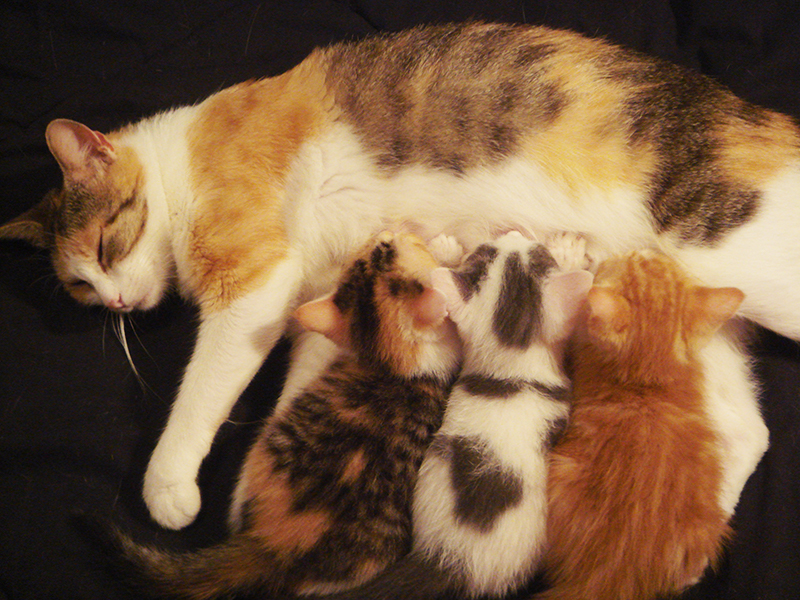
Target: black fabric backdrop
[[77, 427]]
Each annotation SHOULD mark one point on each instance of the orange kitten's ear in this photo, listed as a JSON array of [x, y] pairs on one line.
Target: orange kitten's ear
[[323, 316], [33, 225], [80, 151], [443, 282], [608, 311], [430, 308], [714, 307], [562, 297]]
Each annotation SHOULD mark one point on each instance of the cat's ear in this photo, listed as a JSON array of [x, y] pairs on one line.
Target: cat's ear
[[563, 295], [82, 153], [323, 316], [713, 307], [32, 226], [429, 308], [443, 281], [608, 312]]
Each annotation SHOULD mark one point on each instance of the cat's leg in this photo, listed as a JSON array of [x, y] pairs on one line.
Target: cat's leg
[[231, 346], [311, 354], [760, 257], [732, 403]]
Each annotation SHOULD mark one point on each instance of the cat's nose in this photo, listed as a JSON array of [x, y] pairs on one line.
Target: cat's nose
[[117, 304]]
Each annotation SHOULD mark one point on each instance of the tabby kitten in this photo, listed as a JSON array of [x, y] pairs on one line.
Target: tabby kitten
[[634, 483], [252, 200], [326, 488]]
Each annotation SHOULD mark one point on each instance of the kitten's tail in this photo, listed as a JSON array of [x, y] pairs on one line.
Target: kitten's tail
[[240, 565], [411, 578]]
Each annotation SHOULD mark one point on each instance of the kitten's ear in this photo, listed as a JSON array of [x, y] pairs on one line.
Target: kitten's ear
[[608, 311], [323, 316], [563, 296], [429, 308], [714, 307], [81, 152], [444, 282], [32, 226]]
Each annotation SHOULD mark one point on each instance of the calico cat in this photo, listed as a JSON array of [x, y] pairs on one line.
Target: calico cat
[[634, 483], [251, 201], [325, 491]]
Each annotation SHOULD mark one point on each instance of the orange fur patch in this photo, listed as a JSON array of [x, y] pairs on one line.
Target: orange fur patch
[[241, 147], [273, 519]]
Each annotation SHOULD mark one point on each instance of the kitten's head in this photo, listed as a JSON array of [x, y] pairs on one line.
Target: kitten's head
[[643, 306], [510, 294], [96, 225], [386, 311]]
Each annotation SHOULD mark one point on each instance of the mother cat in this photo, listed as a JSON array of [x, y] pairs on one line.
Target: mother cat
[[250, 200]]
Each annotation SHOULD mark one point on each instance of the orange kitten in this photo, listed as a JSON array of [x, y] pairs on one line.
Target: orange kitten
[[634, 482]]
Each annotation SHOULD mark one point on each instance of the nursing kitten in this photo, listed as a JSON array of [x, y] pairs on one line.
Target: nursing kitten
[[326, 488], [634, 483], [251, 201], [480, 505]]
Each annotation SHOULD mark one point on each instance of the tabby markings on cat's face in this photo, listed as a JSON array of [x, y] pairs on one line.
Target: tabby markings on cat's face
[[96, 225]]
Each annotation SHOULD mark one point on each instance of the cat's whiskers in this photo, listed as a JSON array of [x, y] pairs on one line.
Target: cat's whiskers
[[118, 325]]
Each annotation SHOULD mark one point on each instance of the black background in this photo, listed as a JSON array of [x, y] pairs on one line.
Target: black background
[[77, 427]]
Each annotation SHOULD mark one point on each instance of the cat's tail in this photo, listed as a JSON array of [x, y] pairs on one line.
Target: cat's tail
[[240, 565], [411, 578]]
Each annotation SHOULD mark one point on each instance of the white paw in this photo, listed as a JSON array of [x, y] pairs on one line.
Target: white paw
[[569, 251], [446, 250], [172, 504]]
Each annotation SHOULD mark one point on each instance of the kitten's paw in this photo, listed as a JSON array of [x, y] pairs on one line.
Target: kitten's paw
[[446, 250], [569, 251], [172, 505]]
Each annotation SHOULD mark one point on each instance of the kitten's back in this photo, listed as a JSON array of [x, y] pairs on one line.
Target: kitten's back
[[634, 482]]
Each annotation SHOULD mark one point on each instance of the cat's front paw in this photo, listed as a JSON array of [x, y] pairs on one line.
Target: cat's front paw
[[569, 251], [172, 504], [446, 250]]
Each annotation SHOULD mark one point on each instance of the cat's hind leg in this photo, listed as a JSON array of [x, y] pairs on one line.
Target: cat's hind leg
[[732, 403], [761, 257]]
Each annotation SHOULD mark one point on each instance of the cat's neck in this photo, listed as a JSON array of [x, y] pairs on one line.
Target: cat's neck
[[160, 143]]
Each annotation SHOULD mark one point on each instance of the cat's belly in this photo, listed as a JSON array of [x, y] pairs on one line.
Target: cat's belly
[[339, 198]]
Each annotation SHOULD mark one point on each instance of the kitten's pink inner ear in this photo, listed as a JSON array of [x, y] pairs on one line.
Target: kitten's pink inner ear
[[430, 308], [564, 294], [443, 282], [718, 305], [322, 316], [79, 150]]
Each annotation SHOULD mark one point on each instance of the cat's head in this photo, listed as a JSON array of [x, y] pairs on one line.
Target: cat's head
[[104, 249], [510, 294], [644, 305], [386, 311]]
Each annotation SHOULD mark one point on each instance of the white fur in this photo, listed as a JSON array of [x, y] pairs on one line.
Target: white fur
[[512, 430], [732, 403], [335, 198]]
